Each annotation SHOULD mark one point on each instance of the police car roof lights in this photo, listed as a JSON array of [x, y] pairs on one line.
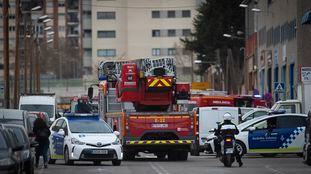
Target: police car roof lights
[[82, 116], [273, 112]]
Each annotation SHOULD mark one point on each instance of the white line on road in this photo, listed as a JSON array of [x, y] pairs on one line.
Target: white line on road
[[162, 168], [155, 168], [273, 170]]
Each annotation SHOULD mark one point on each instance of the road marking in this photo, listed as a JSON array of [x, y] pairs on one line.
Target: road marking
[[155, 168], [273, 170], [162, 168]]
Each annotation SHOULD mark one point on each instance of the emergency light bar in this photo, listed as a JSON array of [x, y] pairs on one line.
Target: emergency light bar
[[73, 116], [277, 112]]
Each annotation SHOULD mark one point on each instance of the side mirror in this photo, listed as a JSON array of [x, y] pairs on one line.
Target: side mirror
[[251, 129], [61, 132], [90, 92], [116, 133]]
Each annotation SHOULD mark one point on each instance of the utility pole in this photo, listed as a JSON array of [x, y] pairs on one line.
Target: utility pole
[[6, 60], [31, 57], [25, 53], [16, 78]]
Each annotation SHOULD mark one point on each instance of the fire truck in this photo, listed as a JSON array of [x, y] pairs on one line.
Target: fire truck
[[141, 99]]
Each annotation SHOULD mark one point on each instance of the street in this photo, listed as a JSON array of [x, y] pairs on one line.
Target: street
[[283, 164]]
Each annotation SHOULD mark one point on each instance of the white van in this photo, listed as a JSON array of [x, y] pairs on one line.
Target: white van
[[39, 102], [209, 118]]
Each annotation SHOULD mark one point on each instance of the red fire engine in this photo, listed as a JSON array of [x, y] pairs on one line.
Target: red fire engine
[[139, 98]]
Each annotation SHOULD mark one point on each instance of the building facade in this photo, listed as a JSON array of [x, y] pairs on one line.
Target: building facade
[[276, 47], [131, 29]]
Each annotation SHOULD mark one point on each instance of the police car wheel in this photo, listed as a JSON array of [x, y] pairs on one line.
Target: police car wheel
[[240, 147], [66, 155], [116, 162]]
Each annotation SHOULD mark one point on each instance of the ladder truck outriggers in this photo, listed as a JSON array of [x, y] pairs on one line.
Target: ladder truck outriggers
[[142, 100]]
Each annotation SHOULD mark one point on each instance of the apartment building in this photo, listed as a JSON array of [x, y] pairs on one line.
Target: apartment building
[[130, 29]]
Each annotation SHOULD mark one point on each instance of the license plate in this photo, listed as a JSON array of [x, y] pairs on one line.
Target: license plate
[[159, 125], [229, 150], [99, 151]]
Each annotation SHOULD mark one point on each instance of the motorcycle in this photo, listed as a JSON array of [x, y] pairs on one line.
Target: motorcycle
[[227, 150]]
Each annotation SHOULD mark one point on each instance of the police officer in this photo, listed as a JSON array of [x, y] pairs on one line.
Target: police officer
[[219, 134]]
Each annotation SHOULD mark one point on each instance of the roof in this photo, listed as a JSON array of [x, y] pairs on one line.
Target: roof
[[12, 114], [247, 123], [37, 99], [288, 101]]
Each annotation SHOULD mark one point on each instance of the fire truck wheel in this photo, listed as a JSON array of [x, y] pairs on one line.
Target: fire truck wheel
[[172, 156], [161, 156], [128, 156], [183, 156]]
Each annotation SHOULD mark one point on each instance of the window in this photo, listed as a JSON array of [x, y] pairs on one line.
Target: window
[[89, 127], [186, 13], [106, 34], [156, 51], [171, 51], [88, 52], [261, 125], [171, 14], [186, 32], [291, 122], [288, 108], [106, 52], [58, 125], [88, 33], [61, 28], [156, 33], [171, 33], [155, 14], [106, 15], [259, 113]]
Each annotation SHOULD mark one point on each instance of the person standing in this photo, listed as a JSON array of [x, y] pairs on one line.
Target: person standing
[[42, 133]]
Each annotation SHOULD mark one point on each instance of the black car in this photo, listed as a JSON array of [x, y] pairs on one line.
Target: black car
[[27, 150], [10, 153]]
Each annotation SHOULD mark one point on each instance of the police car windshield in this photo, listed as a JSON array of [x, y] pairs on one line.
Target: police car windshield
[[89, 127]]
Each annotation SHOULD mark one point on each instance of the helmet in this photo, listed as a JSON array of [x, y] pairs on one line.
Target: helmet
[[228, 116]]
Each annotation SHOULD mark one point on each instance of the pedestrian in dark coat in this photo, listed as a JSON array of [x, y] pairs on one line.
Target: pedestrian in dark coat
[[42, 133]]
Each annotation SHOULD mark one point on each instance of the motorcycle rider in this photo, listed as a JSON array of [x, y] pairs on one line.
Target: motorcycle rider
[[220, 134]]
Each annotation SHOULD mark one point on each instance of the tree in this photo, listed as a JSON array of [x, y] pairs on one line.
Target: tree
[[213, 20]]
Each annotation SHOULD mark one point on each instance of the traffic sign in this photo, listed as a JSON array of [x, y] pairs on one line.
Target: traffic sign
[[305, 74], [279, 87]]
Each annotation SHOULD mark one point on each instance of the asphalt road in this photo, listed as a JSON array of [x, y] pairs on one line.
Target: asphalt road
[[284, 164]]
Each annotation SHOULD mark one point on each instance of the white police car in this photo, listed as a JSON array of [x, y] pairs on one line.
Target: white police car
[[270, 134], [84, 137]]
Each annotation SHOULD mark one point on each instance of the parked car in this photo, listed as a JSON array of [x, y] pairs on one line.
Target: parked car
[[14, 116], [26, 146], [10, 153], [84, 137], [270, 135], [256, 112]]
